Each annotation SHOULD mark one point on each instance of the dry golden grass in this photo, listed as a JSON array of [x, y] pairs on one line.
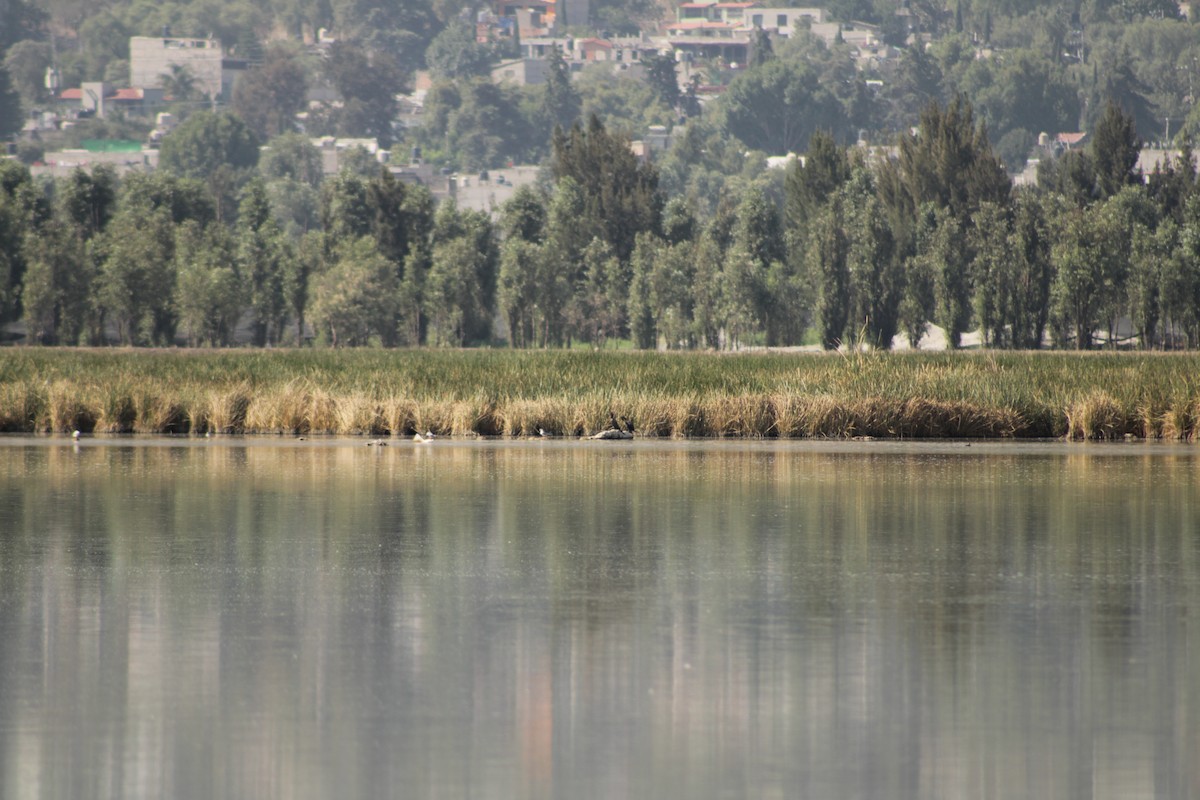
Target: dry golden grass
[[1097, 416], [400, 413], [157, 413], [117, 411], [1179, 421], [227, 409], [466, 393], [68, 411], [22, 408]]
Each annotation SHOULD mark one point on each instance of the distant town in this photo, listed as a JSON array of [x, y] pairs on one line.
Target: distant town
[[704, 175]]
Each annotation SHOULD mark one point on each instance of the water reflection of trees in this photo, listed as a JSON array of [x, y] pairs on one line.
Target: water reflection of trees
[[574, 620]]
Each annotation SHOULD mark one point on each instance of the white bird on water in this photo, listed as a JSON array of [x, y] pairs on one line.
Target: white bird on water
[[75, 434], [426, 439]]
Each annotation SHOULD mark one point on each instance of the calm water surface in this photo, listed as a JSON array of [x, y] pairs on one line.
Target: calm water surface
[[270, 618]]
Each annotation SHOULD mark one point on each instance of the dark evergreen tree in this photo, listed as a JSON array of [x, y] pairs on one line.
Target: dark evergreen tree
[[523, 215], [87, 199], [560, 102], [949, 162], [660, 74], [1114, 149], [679, 223], [11, 118], [1072, 176], [761, 49], [345, 212], [620, 192], [812, 181], [1172, 182]]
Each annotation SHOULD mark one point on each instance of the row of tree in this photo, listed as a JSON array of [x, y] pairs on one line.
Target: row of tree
[[855, 246]]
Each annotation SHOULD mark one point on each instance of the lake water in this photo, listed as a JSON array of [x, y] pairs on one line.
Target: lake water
[[234, 618]]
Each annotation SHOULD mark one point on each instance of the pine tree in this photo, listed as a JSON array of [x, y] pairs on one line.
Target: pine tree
[[621, 196], [660, 75], [560, 102], [812, 181], [1115, 148]]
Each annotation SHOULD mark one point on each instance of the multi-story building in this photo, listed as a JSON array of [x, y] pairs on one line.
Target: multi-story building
[[151, 58]]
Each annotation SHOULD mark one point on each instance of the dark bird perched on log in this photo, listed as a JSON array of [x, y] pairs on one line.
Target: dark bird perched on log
[[615, 430], [628, 424]]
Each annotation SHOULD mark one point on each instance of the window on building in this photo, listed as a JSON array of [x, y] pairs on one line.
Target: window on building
[[781, 21]]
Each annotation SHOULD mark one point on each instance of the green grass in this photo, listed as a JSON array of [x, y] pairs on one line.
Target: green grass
[[378, 392]]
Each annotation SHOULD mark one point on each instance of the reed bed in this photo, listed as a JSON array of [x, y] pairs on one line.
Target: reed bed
[[519, 394]]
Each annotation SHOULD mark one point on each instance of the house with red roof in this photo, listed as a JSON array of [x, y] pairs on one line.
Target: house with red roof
[[98, 98]]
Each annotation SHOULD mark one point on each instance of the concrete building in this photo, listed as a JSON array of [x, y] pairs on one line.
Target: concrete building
[[855, 34], [132, 157], [520, 71], [785, 21], [698, 40], [486, 191], [622, 53], [151, 57]]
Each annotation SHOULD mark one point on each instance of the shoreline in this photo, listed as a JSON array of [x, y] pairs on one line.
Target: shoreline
[[977, 395]]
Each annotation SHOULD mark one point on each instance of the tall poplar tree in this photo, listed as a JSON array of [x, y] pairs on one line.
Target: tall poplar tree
[[827, 254]]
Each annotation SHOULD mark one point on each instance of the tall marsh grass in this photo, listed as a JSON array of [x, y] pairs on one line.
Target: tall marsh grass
[[504, 393]]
